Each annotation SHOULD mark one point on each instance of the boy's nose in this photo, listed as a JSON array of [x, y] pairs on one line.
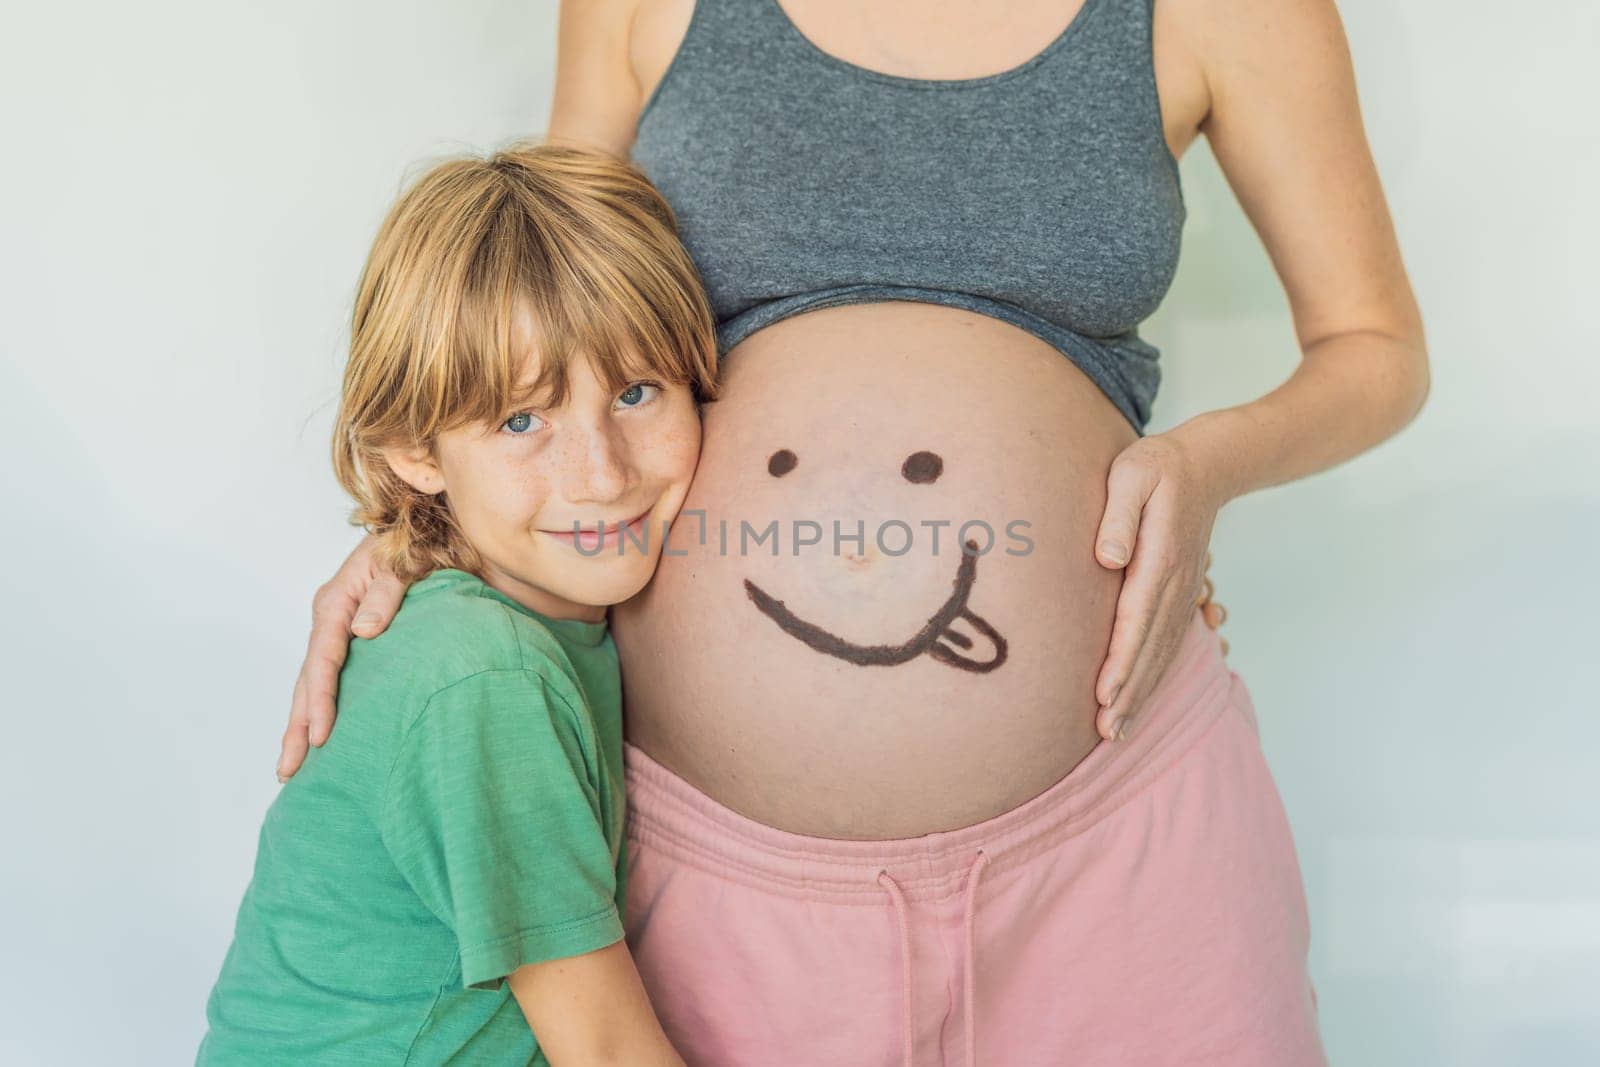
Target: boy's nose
[[600, 469]]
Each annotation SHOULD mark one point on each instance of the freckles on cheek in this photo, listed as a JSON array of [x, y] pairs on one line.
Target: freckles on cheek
[[681, 448], [681, 465], [667, 453], [514, 489]]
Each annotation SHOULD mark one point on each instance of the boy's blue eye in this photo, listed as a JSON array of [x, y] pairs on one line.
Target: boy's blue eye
[[637, 393], [521, 422]]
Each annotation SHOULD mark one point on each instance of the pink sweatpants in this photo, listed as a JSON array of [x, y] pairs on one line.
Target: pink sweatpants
[[1145, 911]]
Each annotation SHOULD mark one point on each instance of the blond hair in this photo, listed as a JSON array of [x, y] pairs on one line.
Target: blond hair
[[573, 242]]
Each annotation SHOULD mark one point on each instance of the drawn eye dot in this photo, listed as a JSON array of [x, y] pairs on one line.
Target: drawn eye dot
[[781, 463], [922, 467]]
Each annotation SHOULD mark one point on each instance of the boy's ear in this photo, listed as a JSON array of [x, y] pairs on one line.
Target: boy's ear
[[416, 467]]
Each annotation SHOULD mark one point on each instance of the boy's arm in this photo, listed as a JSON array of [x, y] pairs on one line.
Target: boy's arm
[[491, 818], [592, 1009]]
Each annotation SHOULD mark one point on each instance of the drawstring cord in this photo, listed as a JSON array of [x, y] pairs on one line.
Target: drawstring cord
[[972, 909], [897, 898]]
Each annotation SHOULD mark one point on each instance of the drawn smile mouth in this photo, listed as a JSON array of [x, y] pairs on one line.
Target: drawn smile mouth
[[935, 638]]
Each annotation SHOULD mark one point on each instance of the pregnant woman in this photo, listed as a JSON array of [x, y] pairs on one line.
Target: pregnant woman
[[943, 765]]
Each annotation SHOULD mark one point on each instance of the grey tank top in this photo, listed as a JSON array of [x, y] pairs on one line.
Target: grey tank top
[[1044, 195]]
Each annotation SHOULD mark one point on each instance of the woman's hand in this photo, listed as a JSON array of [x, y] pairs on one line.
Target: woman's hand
[[361, 599], [1161, 505]]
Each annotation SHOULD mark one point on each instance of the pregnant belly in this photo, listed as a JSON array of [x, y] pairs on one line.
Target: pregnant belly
[[881, 615]]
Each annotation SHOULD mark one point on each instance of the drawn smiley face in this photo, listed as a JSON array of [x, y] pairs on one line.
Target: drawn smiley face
[[935, 638]]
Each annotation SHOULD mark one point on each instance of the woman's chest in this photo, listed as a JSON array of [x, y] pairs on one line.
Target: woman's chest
[[1047, 186], [947, 40]]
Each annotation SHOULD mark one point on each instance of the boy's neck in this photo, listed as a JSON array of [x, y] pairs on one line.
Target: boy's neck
[[542, 601]]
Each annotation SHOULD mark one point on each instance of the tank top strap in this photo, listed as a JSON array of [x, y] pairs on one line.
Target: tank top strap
[[723, 42], [1122, 29], [727, 30]]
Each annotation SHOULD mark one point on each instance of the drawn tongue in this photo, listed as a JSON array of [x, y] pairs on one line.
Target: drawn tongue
[[971, 643]]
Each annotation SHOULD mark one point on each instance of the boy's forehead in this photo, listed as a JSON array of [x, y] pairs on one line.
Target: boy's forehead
[[534, 375], [539, 379], [538, 373], [533, 383]]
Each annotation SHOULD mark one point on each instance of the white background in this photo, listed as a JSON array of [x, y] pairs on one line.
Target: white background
[[189, 189]]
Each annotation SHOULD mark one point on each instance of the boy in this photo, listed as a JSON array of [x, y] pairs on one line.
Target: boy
[[518, 425]]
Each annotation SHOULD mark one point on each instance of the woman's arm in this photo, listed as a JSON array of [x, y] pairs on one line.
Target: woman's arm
[[592, 1010], [1285, 125], [597, 99]]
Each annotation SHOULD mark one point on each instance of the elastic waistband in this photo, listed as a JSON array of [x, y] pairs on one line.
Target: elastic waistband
[[667, 813]]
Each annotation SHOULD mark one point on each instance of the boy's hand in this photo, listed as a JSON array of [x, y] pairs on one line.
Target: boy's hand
[[362, 600]]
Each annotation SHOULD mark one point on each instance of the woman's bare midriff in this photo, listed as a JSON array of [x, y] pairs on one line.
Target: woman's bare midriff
[[816, 651]]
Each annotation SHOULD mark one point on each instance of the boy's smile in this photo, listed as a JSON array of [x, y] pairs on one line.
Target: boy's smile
[[603, 536]]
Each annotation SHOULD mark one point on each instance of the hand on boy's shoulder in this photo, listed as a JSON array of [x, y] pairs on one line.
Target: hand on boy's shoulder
[[444, 631], [449, 629]]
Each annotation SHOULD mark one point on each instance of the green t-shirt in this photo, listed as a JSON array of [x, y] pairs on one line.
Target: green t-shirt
[[464, 819]]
